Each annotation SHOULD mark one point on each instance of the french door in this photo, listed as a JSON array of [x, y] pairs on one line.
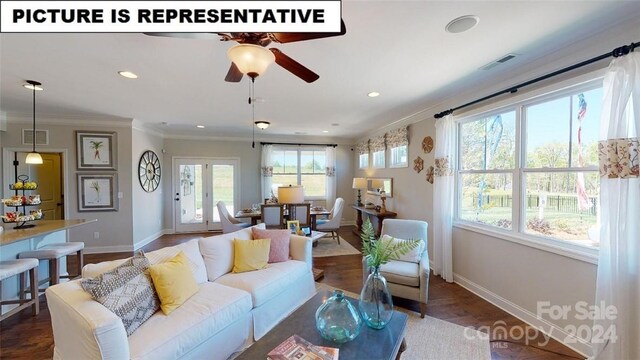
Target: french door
[[199, 184]]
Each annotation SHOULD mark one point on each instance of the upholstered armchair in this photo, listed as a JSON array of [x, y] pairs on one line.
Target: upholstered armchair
[[229, 223], [333, 225], [406, 279]]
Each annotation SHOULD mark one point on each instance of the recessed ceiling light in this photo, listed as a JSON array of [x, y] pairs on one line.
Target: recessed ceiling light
[[128, 74], [325, 131], [200, 126], [33, 87], [462, 24], [373, 94]]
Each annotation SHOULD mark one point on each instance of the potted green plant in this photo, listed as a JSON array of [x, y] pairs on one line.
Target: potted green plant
[[375, 303]]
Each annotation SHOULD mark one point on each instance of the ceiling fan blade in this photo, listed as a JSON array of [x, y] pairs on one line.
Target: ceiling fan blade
[[292, 37], [234, 74], [198, 36], [294, 67]]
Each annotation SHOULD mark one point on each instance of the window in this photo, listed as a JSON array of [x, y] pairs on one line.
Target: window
[[378, 159], [304, 167], [363, 161], [398, 156], [553, 190]]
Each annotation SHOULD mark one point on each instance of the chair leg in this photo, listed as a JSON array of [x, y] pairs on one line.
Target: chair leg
[[54, 274], [80, 259], [423, 310], [33, 279], [337, 236], [23, 285]]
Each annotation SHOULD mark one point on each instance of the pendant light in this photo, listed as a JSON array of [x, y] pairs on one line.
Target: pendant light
[[34, 157], [261, 124]]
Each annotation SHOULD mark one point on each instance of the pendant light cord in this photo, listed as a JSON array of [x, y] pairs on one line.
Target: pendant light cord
[[253, 113], [33, 135]]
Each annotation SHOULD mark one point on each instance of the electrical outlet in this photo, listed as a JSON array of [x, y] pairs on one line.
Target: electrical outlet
[[96, 235]]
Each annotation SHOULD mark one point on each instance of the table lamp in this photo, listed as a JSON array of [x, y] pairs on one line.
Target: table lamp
[[292, 194], [377, 184], [359, 183]]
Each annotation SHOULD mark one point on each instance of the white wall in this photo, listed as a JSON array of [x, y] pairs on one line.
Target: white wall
[[115, 228], [147, 207]]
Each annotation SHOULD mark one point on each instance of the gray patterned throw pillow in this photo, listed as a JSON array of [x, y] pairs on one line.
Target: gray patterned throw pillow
[[126, 290]]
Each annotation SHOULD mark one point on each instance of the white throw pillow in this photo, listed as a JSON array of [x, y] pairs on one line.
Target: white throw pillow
[[191, 249], [217, 252], [412, 256]]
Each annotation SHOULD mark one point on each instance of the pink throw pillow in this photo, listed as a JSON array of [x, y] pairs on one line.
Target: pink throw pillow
[[279, 250]]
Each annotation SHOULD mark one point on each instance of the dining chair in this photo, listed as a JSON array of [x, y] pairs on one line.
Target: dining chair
[[272, 215], [332, 225], [229, 223], [300, 212]]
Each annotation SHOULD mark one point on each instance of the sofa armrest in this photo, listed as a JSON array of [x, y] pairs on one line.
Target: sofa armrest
[[300, 249], [82, 327], [424, 277]]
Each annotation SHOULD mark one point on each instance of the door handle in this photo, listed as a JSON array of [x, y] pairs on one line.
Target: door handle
[[59, 204]]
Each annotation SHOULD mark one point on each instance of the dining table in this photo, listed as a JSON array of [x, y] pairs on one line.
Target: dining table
[[256, 215]]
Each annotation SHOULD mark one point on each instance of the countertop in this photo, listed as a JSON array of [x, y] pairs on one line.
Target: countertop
[[43, 227]]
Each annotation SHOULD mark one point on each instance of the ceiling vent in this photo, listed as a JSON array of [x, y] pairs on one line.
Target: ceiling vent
[[500, 61], [42, 137]]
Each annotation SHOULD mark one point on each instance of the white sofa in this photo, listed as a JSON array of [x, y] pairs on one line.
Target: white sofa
[[228, 313]]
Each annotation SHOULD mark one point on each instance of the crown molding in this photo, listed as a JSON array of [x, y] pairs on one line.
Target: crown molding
[[69, 120]]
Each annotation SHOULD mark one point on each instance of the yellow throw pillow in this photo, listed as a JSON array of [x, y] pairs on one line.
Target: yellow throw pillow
[[250, 254], [174, 282]]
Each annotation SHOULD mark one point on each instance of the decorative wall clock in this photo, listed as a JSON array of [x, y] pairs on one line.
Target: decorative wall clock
[[429, 175], [149, 171], [427, 144], [418, 164]]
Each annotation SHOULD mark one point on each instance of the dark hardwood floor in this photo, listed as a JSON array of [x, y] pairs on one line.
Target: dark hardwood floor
[[26, 337]]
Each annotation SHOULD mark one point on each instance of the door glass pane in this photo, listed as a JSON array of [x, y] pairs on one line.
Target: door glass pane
[[191, 194], [222, 189]]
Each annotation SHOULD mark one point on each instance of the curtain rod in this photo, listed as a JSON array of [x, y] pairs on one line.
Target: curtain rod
[[278, 143], [617, 52]]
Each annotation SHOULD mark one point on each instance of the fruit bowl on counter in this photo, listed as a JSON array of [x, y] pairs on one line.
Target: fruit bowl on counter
[[18, 200], [24, 185], [18, 217]]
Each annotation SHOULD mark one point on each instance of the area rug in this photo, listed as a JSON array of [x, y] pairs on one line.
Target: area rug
[[328, 246], [435, 339]]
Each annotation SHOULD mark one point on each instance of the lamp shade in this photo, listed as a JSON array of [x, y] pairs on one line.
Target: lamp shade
[[33, 158], [359, 183], [291, 194], [250, 59], [377, 184]]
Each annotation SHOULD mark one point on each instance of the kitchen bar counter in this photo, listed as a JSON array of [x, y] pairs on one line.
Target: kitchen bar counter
[[43, 227]]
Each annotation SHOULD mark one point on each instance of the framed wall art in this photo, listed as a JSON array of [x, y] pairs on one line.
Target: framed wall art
[[97, 192], [96, 150]]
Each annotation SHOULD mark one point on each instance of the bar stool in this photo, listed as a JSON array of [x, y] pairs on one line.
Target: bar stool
[[10, 268], [53, 253]]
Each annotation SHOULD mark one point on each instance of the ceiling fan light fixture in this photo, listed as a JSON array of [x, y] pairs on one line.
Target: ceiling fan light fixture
[[262, 124], [250, 59]]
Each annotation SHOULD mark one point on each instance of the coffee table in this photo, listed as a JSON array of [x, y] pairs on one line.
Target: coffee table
[[384, 344]]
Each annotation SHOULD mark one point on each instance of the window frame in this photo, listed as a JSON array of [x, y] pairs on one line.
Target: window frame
[[299, 172], [398, 165], [570, 248]]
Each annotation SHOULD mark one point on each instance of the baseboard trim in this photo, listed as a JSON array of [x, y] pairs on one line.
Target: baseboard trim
[[148, 239], [557, 333], [108, 249]]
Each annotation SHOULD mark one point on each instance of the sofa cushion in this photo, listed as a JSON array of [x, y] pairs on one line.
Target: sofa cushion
[[217, 252], [126, 290], [401, 272], [279, 249], [250, 255], [191, 249], [414, 255], [209, 311], [267, 283], [173, 282]]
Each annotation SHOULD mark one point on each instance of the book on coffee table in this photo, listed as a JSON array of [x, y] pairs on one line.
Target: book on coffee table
[[297, 348]]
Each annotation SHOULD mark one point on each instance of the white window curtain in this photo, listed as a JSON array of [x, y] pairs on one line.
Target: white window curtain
[[443, 196], [330, 159], [618, 283], [266, 170]]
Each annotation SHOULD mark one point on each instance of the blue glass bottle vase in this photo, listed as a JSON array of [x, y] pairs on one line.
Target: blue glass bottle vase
[[376, 305], [337, 319]]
